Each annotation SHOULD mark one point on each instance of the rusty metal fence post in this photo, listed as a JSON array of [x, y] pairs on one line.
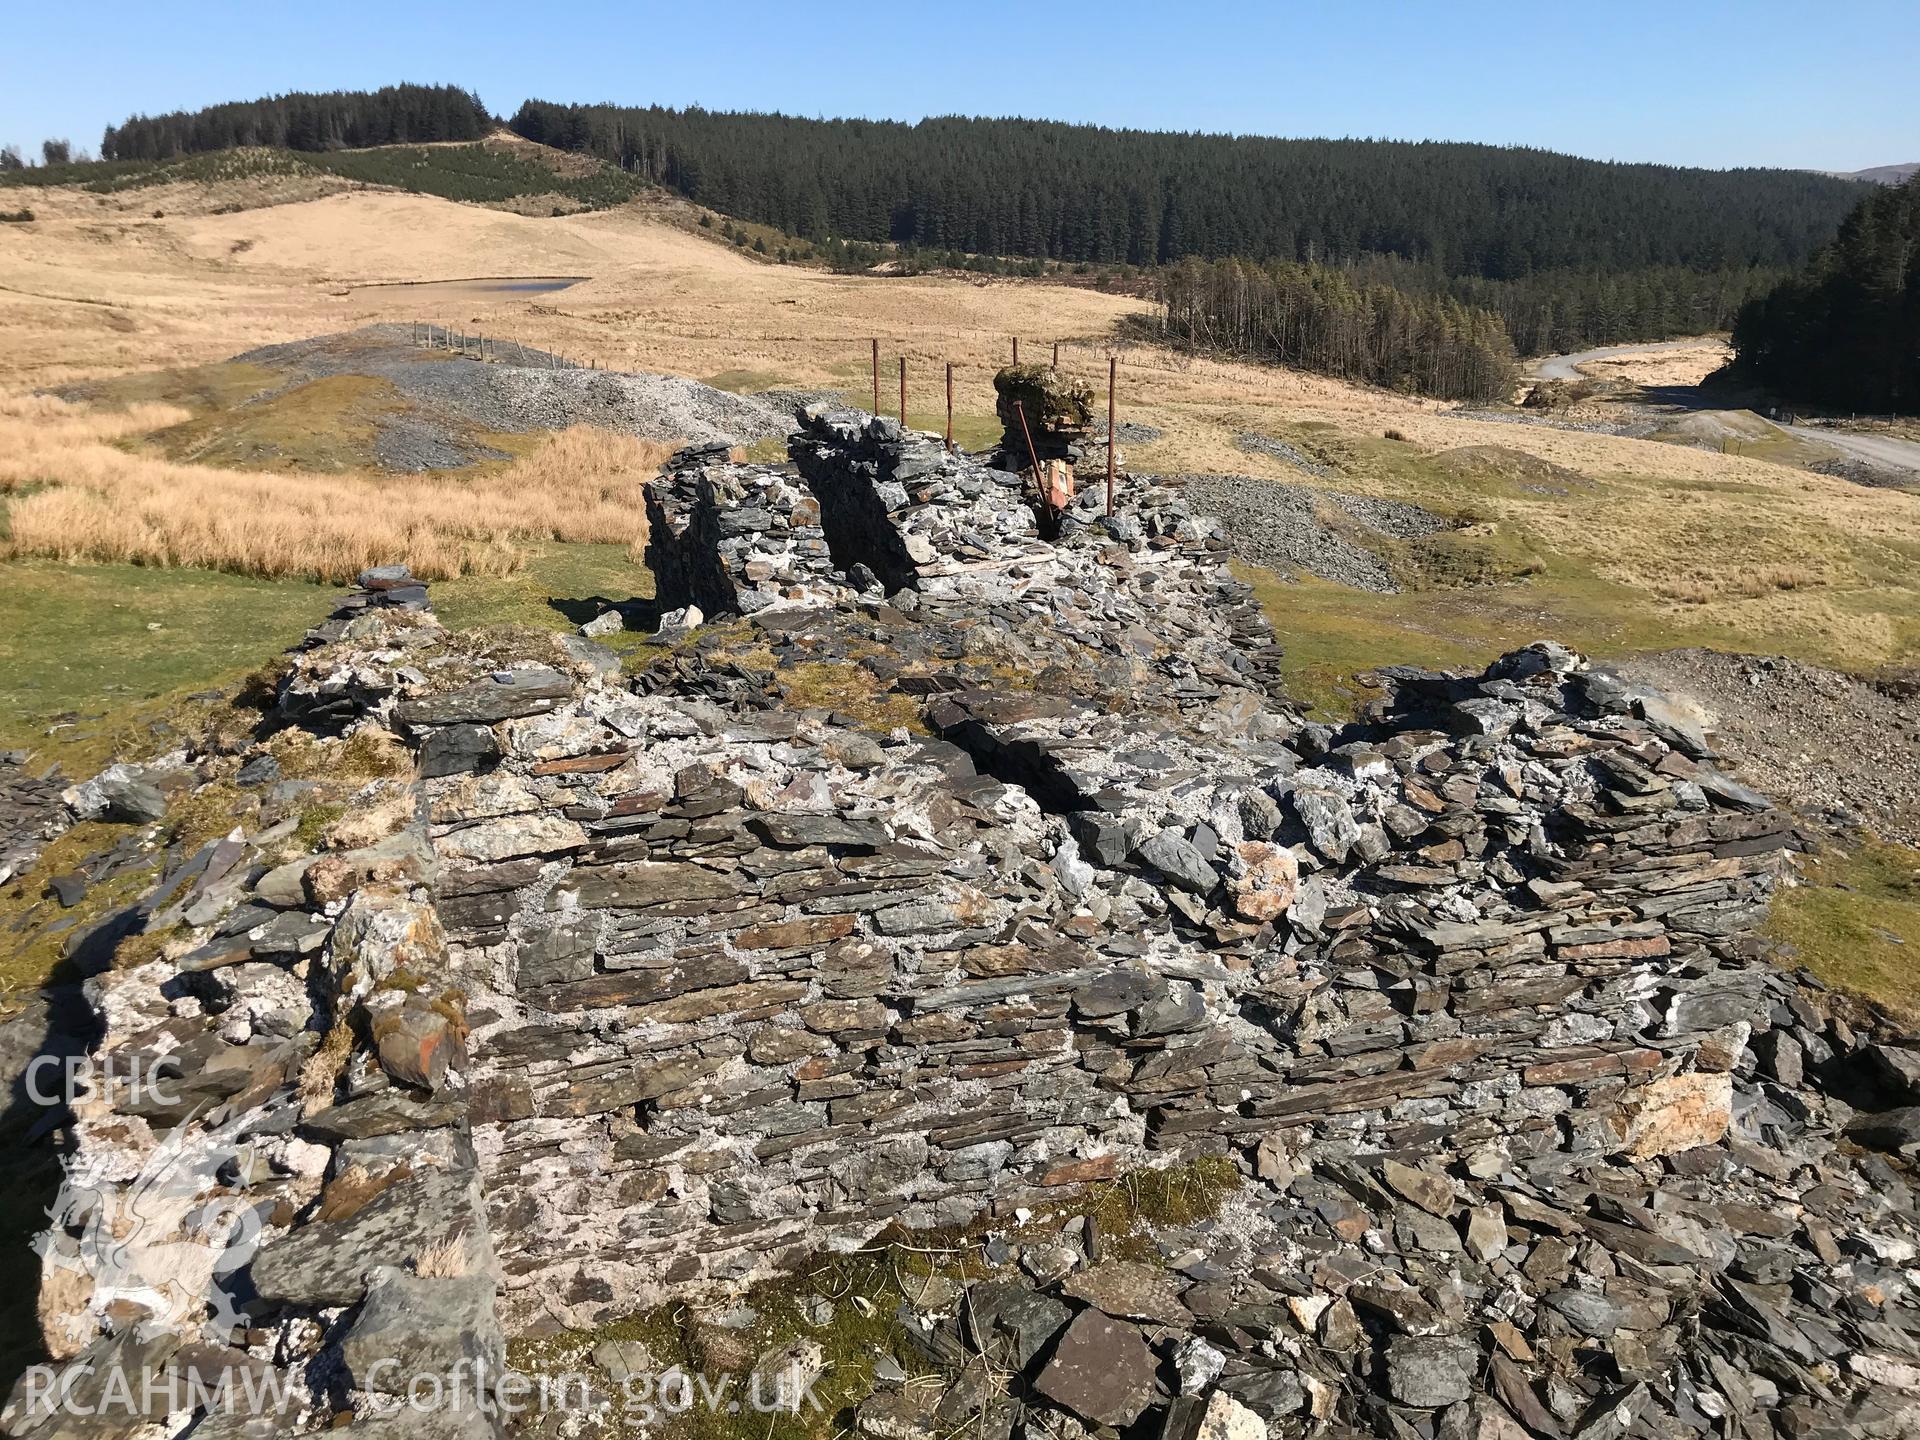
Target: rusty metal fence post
[[903, 392], [876, 376], [1032, 454], [1113, 375], [949, 406]]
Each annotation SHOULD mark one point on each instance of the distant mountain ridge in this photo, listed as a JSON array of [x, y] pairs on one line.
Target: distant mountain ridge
[[1879, 174]]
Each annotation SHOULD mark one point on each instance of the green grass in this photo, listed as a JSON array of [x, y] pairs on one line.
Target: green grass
[[1472, 593], [1332, 633], [972, 429], [746, 382], [30, 947], [199, 388], [75, 647], [75, 644], [1855, 922], [250, 417], [328, 426], [558, 588]]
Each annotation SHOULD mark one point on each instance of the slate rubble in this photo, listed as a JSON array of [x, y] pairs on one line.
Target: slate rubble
[[667, 986]]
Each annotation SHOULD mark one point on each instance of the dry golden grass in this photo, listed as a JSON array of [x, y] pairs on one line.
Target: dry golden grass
[[77, 496], [1772, 556]]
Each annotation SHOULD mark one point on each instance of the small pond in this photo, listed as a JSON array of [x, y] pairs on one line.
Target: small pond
[[490, 287]]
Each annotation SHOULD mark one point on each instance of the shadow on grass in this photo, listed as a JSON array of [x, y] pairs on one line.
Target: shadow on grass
[[639, 613]]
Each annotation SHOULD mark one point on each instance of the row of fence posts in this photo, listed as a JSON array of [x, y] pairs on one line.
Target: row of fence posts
[[1113, 386], [479, 347], [430, 336]]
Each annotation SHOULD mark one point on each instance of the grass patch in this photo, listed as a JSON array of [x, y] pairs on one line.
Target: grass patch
[[866, 1291], [767, 450], [746, 382], [314, 821], [972, 429], [35, 930], [1855, 922], [1127, 1209], [326, 426], [199, 388], [559, 587], [1332, 634], [851, 689], [1612, 584], [78, 650]]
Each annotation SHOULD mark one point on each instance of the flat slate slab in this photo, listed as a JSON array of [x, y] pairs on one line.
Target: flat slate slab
[[328, 1262], [504, 695]]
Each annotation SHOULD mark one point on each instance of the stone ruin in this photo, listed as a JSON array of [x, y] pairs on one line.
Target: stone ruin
[[661, 985]]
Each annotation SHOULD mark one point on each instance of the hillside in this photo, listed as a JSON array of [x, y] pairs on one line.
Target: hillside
[[1570, 252], [1881, 174], [1076, 192], [500, 170], [1535, 237]]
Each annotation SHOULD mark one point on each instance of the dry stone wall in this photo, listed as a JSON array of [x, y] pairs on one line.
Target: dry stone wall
[[736, 539], [658, 985]]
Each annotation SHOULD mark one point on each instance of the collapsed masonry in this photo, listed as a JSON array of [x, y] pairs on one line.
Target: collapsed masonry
[[662, 985]]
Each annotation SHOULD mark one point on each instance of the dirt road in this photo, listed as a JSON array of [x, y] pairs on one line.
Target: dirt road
[[1884, 451], [1567, 367]]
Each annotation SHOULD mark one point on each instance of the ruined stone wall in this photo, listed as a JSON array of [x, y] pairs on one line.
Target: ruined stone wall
[[896, 502], [759, 980], [735, 539], [657, 985], [272, 1186]]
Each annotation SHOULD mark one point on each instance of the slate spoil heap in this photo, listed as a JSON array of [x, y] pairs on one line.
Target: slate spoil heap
[[660, 985]]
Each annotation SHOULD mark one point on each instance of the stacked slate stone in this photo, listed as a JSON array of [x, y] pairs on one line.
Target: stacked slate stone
[[381, 587], [31, 812], [271, 1185], [683, 986], [736, 539], [337, 677], [1138, 603], [898, 504], [1520, 845]]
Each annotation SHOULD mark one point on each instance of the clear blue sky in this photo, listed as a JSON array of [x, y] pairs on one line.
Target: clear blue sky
[[1770, 82]]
